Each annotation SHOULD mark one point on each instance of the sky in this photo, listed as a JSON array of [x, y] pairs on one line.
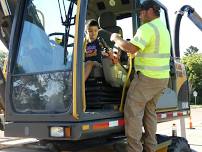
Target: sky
[[189, 33], [2, 47]]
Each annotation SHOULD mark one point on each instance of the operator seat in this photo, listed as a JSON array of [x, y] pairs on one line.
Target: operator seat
[[103, 91], [107, 23], [114, 73]]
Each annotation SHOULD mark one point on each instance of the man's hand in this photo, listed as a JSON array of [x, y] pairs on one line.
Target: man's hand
[[123, 44], [115, 36]]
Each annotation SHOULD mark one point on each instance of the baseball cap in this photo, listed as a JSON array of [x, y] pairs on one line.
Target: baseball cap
[[145, 5]]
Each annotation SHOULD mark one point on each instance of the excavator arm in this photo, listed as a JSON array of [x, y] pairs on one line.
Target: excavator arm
[[193, 16]]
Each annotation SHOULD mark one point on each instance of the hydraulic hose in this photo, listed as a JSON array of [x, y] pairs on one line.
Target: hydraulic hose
[[193, 16]]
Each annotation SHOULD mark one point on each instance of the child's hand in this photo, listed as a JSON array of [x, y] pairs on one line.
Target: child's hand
[[105, 54], [114, 57]]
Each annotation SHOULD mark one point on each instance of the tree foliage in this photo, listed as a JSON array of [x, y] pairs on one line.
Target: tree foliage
[[193, 64], [2, 58], [191, 50]]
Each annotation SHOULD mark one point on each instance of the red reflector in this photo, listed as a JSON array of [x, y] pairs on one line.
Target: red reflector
[[180, 114], [170, 114], [159, 116], [101, 125], [121, 122]]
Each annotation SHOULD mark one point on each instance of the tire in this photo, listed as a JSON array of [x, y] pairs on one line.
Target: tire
[[49, 146], [179, 144], [120, 147]]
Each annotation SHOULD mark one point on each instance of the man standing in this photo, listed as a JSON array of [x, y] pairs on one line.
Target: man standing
[[152, 45]]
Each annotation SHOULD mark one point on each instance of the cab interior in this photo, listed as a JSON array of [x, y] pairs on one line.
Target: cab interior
[[118, 16], [104, 87]]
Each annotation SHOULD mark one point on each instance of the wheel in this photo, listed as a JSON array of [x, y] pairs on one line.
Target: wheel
[[49, 146], [53, 148], [120, 147], [179, 144]]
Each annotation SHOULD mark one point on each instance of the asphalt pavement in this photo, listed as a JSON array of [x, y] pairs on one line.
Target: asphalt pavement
[[193, 134]]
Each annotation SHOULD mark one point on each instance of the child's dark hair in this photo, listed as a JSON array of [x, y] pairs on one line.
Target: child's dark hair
[[91, 22]]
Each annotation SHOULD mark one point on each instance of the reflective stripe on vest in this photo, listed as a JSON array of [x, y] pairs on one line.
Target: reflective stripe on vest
[[156, 31], [140, 40], [155, 54], [153, 68]]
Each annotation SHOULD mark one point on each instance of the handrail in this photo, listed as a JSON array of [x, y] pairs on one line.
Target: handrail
[[83, 80], [121, 108], [75, 113]]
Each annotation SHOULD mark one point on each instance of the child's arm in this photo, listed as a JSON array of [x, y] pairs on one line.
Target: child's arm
[[112, 55], [107, 51]]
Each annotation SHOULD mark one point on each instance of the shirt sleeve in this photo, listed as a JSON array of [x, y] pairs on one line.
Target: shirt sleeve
[[142, 37]]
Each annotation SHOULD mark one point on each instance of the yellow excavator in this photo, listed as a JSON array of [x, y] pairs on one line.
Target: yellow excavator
[[44, 93]]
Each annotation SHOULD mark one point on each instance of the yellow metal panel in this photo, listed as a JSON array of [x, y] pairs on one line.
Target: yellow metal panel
[[83, 81], [75, 114]]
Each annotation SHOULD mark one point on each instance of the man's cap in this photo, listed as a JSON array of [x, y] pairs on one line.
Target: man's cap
[[145, 5]]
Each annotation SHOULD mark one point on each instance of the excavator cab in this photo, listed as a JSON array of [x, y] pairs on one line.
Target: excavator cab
[[46, 95]]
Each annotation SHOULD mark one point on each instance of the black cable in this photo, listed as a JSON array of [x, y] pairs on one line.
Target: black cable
[[60, 11], [64, 7], [67, 29]]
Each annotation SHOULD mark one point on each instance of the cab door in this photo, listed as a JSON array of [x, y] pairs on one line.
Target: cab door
[[39, 83], [169, 99]]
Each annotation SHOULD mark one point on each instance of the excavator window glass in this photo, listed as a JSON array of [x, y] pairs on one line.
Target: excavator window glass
[[42, 79], [44, 37]]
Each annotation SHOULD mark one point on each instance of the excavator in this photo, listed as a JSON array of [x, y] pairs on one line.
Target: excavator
[[43, 92]]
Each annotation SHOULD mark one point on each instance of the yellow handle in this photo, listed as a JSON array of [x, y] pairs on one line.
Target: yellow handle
[[125, 84]]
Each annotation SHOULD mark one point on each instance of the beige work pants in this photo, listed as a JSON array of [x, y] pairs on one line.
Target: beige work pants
[[140, 110]]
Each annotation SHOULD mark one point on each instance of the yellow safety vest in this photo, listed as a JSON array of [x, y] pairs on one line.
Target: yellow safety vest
[[153, 57]]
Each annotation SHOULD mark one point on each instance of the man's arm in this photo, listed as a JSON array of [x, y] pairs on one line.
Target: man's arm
[[124, 45]]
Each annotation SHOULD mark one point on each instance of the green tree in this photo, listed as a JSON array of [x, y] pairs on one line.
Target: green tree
[[2, 58], [191, 50], [193, 64]]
